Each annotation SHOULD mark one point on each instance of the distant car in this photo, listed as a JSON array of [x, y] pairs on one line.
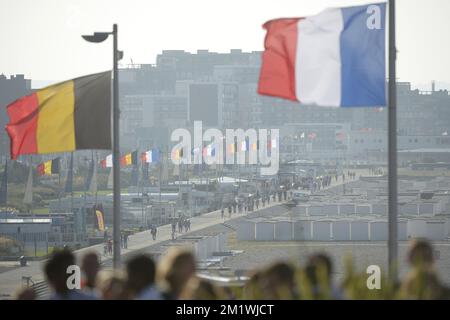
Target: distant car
[[300, 196]]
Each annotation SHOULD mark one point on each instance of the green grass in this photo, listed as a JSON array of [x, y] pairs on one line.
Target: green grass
[[41, 211]]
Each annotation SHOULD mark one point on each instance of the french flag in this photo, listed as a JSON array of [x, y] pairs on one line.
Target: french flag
[[107, 162], [333, 59], [150, 156]]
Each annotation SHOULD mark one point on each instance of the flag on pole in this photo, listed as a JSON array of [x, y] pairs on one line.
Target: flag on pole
[[107, 162], [49, 167], [150, 156], [312, 135], [243, 146], [335, 58], [177, 154], [340, 136], [129, 159], [68, 116]]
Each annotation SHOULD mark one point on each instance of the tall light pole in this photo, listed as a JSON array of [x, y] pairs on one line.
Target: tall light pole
[[98, 37], [392, 148]]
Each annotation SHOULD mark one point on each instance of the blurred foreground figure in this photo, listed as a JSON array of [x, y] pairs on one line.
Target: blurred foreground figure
[[141, 271], [90, 265], [252, 288], [26, 293], [318, 271], [112, 285], [175, 270], [422, 281], [200, 289], [278, 282], [56, 273]]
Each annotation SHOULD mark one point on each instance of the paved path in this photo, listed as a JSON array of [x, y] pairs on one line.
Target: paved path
[[11, 280]]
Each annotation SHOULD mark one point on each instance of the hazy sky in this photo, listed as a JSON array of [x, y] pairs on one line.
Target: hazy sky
[[41, 38]]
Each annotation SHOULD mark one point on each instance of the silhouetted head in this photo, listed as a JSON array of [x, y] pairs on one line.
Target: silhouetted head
[[25, 294], [278, 281], [112, 285], [56, 270], [199, 289], [319, 268], [140, 272], [420, 253], [175, 269], [90, 266]]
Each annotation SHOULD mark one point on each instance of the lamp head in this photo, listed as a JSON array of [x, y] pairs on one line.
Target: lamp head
[[96, 37]]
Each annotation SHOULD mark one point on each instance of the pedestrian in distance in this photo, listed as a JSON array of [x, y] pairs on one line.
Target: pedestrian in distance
[[125, 240], [110, 247]]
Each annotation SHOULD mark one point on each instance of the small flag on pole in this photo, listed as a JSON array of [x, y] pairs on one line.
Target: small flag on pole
[[107, 162], [150, 156], [129, 159], [49, 167]]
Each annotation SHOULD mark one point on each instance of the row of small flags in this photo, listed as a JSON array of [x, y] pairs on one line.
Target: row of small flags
[[210, 150], [152, 156]]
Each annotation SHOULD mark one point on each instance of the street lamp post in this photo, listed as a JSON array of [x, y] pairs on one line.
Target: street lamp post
[[98, 37]]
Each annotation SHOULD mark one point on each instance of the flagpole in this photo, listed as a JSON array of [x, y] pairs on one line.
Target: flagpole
[[71, 182], [59, 187], [392, 148], [116, 155]]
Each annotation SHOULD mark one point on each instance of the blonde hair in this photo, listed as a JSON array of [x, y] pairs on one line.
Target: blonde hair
[[200, 289], [112, 285], [175, 269]]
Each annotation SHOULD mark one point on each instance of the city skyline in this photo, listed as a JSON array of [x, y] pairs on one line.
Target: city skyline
[[35, 44]]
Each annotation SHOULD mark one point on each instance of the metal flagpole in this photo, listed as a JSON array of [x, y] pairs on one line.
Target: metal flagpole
[[116, 155], [392, 148], [71, 182]]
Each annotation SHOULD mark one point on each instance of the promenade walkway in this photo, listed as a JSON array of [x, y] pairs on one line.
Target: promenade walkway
[[11, 280]]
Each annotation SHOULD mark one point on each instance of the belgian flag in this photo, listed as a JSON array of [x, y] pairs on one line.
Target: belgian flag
[[68, 116], [48, 167], [129, 159]]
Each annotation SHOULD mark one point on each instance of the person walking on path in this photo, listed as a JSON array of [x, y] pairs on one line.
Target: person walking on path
[[188, 225], [174, 226], [125, 240], [153, 231], [110, 247]]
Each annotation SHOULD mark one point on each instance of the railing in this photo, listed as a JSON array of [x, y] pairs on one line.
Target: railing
[[237, 281]]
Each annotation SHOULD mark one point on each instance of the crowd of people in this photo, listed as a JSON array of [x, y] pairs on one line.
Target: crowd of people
[[175, 277], [183, 223]]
